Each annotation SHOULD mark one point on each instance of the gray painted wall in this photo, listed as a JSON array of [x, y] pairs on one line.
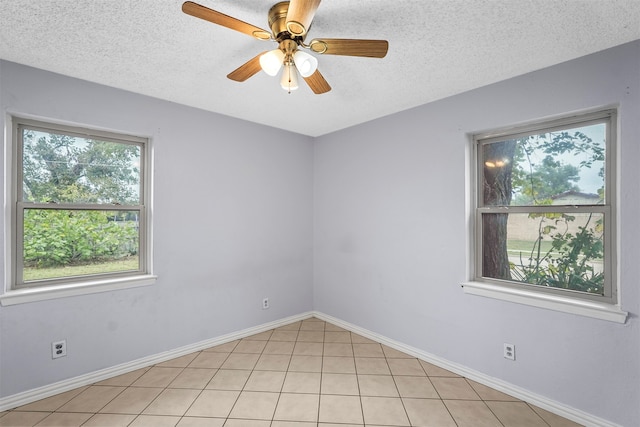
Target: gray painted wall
[[233, 223], [391, 238]]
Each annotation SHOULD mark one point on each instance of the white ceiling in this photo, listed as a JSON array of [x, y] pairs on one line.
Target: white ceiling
[[437, 48]]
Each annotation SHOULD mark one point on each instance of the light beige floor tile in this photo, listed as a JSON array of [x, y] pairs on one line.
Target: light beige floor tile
[[428, 413], [157, 377], [516, 414], [284, 335], [454, 388], [295, 326], [333, 328], [295, 424], [308, 349], [265, 381], [384, 411], [111, 420], [337, 336], [193, 378], [305, 364], [406, 367], [487, 393], [201, 422], [436, 371], [338, 365], [209, 359], [377, 385], [340, 409], [340, 425], [394, 354], [367, 350], [310, 336], [359, 339], [213, 403], [172, 402], [223, 348], [273, 362], [92, 399], [124, 380], [155, 421], [132, 401], [345, 384], [302, 382], [52, 403], [66, 419], [418, 387], [468, 413], [262, 336], [279, 347], [312, 325], [297, 407], [179, 362], [372, 365], [240, 361], [552, 419], [231, 379], [255, 406], [250, 346], [19, 419], [338, 349], [247, 423]]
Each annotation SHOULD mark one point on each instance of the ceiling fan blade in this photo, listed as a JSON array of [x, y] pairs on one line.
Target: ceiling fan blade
[[317, 83], [246, 70], [199, 11], [350, 47], [299, 16]]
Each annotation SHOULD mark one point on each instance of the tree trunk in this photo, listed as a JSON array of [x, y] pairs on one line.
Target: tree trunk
[[497, 191]]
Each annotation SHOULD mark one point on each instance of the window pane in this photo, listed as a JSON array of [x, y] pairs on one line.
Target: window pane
[[546, 249], [68, 169], [64, 243], [564, 167]]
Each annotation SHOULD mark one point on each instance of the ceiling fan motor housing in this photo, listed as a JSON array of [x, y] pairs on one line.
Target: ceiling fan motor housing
[[278, 23]]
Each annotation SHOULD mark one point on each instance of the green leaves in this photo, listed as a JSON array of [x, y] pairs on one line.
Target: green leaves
[[69, 169], [65, 237]]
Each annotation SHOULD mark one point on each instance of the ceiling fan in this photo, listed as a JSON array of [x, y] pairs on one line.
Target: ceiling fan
[[290, 22]]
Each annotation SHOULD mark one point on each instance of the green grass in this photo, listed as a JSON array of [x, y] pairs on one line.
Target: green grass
[[125, 264]]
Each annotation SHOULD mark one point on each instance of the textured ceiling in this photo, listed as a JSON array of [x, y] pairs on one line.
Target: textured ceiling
[[437, 48]]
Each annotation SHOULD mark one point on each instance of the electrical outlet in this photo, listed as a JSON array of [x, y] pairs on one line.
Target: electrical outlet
[[265, 303], [509, 351], [58, 349]]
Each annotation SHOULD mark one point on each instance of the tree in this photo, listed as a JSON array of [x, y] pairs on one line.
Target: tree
[[61, 169], [532, 170]]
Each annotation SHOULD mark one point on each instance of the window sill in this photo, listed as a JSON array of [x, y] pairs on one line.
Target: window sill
[[596, 310], [27, 295]]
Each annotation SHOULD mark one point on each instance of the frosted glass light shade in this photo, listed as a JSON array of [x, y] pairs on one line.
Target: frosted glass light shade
[[289, 80], [271, 61], [305, 63]]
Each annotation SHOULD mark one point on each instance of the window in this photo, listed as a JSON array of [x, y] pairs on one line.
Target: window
[[79, 207], [545, 209]]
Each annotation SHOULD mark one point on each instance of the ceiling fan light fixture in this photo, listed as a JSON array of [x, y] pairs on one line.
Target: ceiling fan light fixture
[[305, 63], [271, 62], [289, 80]]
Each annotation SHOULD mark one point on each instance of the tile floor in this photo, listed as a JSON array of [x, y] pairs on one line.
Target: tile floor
[[306, 374]]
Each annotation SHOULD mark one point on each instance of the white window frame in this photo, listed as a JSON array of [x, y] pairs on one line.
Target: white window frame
[[606, 307], [15, 292]]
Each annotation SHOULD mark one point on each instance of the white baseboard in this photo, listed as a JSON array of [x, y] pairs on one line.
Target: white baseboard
[[35, 394], [545, 403], [558, 408]]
